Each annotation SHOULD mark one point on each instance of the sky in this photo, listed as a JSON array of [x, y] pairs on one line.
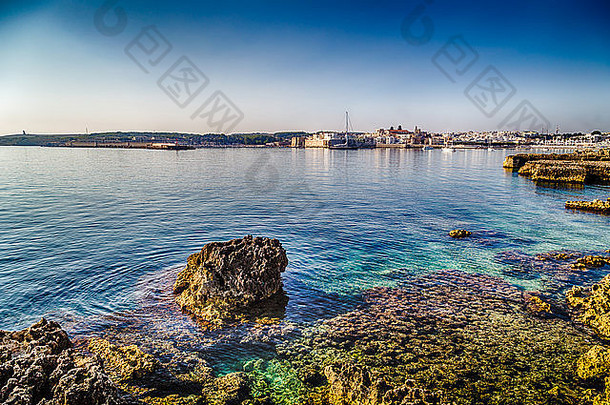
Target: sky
[[71, 66]]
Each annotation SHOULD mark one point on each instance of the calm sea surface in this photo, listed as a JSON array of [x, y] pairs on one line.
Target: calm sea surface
[[80, 229]]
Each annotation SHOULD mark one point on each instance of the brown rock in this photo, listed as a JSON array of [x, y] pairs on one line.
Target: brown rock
[[227, 279]]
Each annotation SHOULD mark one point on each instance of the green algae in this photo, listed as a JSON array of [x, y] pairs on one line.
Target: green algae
[[462, 342]]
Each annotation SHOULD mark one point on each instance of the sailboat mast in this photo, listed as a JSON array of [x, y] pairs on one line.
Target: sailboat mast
[[346, 127]]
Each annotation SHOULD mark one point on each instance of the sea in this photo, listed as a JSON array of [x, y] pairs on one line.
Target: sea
[[83, 231]]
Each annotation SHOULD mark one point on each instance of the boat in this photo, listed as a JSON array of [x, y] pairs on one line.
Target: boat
[[448, 147], [347, 144], [427, 147]]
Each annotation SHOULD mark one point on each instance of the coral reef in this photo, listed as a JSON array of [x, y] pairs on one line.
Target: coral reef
[[39, 366], [598, 206], [460, 233], [228, 280]]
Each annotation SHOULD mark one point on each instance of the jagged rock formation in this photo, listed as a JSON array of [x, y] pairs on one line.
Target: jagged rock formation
[[460, 233], [593, 304], [517, 161], [226, 279], [39, 367], [599, 206], [352, 384], [591, 262], [576, 168]]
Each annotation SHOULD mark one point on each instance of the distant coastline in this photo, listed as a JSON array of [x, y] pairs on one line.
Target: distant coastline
[[383, 138]]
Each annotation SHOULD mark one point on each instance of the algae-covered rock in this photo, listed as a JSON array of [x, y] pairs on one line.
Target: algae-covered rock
[[175, 399], [594, 363], [447, 337], [39, 367], [594, 305], [460, 233], [575, 168], [536, 305], [227, 279], [231, 389], [591, 262], [598, 206], [352, 384], [123, 362]]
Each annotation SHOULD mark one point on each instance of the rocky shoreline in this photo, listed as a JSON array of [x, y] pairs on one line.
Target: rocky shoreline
[[580, 167], [446, 337], [597, 206]]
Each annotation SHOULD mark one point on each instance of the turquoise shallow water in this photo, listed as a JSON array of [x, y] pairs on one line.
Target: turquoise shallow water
[[81, 228]]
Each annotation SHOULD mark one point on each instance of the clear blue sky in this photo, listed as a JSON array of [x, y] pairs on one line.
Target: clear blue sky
[[291, 66]]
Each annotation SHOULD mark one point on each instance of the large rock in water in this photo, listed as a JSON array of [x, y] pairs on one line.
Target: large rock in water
[[39, 367], [580, 167], [226, 279]]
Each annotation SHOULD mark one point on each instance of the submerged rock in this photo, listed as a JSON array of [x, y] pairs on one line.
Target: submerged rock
[[39, 366], [229, 279], [231, 389], [123, 362], [536, 305], [448, 337], [460, 233], [598, 206]]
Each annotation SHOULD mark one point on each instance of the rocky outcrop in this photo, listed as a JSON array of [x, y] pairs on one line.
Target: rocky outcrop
[[517, 161], [574, 168], [598, 206], [38, 366], [228, 280], [123, 362], [593, 304], [591, 262], [460, 233]]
